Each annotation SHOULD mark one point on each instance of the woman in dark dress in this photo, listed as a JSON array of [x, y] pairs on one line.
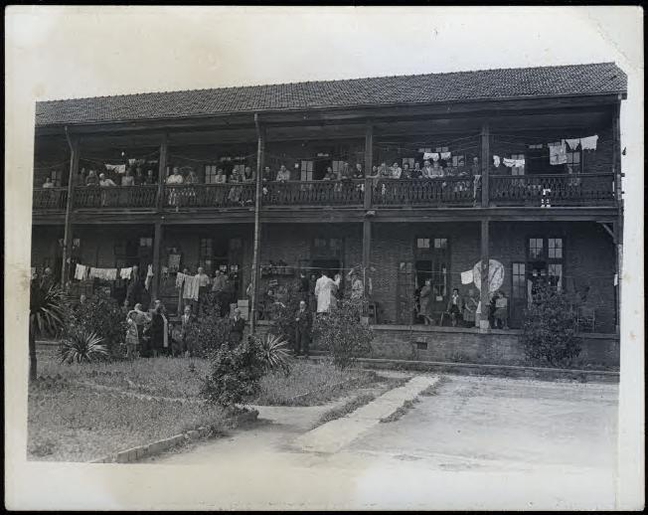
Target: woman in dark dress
[[158, 326]]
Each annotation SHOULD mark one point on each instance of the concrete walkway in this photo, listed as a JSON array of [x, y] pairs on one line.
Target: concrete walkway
[[334, 435]]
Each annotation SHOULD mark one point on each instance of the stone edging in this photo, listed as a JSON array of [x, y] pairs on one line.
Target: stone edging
[[155, 448]]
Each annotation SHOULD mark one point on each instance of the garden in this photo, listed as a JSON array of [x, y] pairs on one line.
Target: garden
[[87, 401]]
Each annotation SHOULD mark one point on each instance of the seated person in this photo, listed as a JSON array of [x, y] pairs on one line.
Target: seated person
[[358, 173], [283, 175], [416, 173], [500, 315], [48, 183], [330, 175]]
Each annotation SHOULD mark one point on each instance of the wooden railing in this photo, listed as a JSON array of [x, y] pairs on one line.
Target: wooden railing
[[524, 190], [445, 191], [45, 199], [552, 190], [95, 197], [209, 195], [314, 193]]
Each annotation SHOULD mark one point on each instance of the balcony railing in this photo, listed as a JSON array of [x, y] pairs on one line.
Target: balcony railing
[[462, 191], [46, 199], [446, 191], [209, 195], [134, 197], [552, 190], [314, 193]]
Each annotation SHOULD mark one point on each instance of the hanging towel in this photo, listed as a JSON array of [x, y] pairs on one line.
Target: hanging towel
[[81, 272], [125, 273], [513, 163], [149, 275], [589, 143], [467, 277], [446, 155], [191, 287], [573, 143], [111, 274], [430, 155], [116, 168], [180, 279], [557, 153]]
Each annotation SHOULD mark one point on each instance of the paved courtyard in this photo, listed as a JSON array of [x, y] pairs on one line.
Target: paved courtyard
[[479, 443]]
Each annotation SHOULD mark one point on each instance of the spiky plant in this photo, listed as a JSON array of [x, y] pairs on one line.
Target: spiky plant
[[275, 353], [82, 346], [47, 312]]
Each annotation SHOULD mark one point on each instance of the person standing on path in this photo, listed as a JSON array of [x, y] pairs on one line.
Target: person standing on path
[[304, 322], [236, 329]]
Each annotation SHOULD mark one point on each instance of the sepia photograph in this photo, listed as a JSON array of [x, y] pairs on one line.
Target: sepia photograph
[[324, 258]]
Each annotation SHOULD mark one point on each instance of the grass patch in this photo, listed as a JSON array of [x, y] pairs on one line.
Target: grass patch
[[313, 384], [70, 422], [346, 408]]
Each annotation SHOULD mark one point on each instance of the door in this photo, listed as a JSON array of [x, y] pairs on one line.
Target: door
[[405, 293], [519, 295]]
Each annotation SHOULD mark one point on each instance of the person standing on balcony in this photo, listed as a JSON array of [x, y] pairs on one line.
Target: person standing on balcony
[[358, 173], [48, 183], [329, 175], [105, 182], [192, 178], [234, 195], [407, 173], [454, 307], [139, 176], [150, 178], [417, 173], [283, 175], [475, 171], [92, 179], [220, 177], [172, 180], [203, 283], [470, 307], [396, 171], [128, 179]]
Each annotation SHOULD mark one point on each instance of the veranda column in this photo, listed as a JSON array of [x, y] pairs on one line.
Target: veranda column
[[485, 163], [366, 223], [257, 222], [67, 231], [618, 226], [485, 304], [158, 234]]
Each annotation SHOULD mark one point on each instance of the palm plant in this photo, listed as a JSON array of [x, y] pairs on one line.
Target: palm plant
[[82, 346], [275, 353], [46, 316]]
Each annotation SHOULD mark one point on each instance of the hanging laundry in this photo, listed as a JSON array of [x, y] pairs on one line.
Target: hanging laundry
[[191, 287], [435, 156], [573, 143], [513, 163], [125, 273], [116, 168], [557, 153], [149, 276], [467, 277], [111, 274], [446, 155], [589, 143], [496, 161], [430, 155], [81, 272]]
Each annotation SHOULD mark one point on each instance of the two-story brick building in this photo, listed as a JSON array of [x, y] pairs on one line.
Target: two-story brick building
[[524, 174]]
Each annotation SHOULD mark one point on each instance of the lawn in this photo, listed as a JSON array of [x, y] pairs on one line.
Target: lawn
[[82, 412]]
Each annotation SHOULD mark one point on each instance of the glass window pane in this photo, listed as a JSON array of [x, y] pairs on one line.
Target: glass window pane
[[423, 243], [440, 243], [535, 248]]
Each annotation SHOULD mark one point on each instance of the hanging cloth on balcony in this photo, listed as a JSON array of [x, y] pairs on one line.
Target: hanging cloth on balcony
[[513, 163], [446, 155], [116, 168], [573, 143], [467, 277], [149, 276], [125, 273], [81, 272], [589, 143], [557, 153]]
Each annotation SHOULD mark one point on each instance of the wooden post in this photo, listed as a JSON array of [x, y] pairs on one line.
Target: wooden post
[[162, 164], [366, 223], [485, 163], [257, 223], [157, 251], [67, 231], [485, 304]]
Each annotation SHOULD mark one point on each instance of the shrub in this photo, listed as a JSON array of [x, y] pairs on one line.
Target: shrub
[[99, 314], [234, 375], [275, 353], [343, 334], [550, 328], [80, 346], [283, 316], [209, 332]]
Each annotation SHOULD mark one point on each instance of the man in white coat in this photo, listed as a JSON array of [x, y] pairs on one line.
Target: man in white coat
[[325, 289]]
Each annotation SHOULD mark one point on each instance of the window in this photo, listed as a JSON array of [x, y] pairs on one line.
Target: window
[[145, 242], [320, 243], [440, 243], [337, 166], [423, 243], [536, 248], [554, 246], [409, 161], [441, 149], [517, 170], [555, 273], [56, 176], [519, 281], [307, 170], [210, 174], [458, 161], [206, 253], [574, 161], [536, 147]]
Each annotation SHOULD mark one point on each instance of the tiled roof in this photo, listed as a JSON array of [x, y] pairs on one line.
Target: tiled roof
[[548, 81]]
